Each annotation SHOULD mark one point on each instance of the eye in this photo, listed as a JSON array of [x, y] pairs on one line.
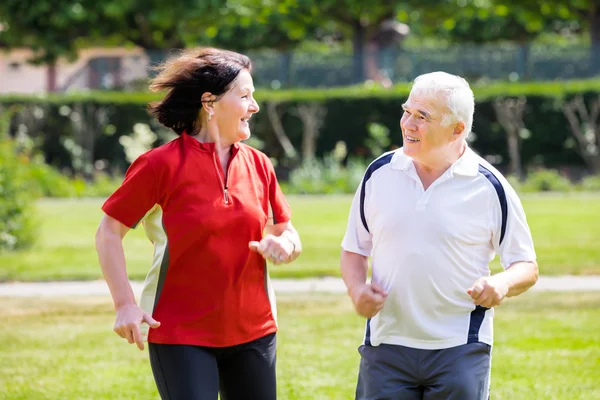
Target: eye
[[245, 96]]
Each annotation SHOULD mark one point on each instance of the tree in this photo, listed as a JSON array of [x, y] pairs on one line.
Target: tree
[[520, 21], [588, 12], [585, 127], [510, 113], [56, 29], [280, 30], [48, 29], [358, 20], [498, 20]]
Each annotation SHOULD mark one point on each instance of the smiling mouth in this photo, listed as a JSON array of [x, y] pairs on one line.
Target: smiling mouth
[[411, 139]]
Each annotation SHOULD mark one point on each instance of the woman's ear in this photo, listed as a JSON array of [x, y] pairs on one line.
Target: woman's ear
[[208, 100]]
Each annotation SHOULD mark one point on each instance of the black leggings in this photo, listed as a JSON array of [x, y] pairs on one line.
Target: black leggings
[[245, 371]]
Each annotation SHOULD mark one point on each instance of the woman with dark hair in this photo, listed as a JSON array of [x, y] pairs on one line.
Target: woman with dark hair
[[214, 211]]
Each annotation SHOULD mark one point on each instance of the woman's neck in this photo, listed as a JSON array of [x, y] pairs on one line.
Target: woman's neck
[[222, 148]]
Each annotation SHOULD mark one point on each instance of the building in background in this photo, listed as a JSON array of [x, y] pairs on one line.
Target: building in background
[[96, 68]]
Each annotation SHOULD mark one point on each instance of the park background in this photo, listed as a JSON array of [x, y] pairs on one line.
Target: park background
[[331, 76]]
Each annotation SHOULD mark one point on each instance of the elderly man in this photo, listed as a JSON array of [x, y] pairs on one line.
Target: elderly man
[[432, 215]]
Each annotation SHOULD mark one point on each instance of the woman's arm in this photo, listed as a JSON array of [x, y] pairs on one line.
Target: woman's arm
[[280, 245], [109, 245]]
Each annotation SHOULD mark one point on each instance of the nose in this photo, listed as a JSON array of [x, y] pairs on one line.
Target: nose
[[406, 122], [254, 106]]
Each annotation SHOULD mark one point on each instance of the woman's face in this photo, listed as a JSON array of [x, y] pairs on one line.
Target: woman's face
[[234, 109]]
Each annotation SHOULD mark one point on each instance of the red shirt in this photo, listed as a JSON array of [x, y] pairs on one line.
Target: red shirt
[[205, 286]]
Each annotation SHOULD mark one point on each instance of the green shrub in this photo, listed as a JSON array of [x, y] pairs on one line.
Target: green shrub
[[48, 181], [327, 176], [17, 225], [545, 180], [514, 182], [590, 183], [102, 186]]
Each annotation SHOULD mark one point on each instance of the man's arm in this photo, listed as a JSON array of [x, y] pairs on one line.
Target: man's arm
[[353, 268], [520, 277], [516, 279], [368, 298]]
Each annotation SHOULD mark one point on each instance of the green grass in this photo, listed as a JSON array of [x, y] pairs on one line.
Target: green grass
[[547, 347], [565, 228]]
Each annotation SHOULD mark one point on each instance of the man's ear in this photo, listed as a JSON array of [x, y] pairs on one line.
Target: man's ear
[[459, 129]]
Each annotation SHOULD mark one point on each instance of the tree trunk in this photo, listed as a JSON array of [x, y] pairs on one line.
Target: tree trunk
[[282, 137], [358, 51], [585, 127], [372, 68], [312, 116], [51, 78], [510, 114], [514, 151]]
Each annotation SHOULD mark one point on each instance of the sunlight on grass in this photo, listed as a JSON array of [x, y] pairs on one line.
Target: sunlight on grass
[[547, 347], [565, 230]]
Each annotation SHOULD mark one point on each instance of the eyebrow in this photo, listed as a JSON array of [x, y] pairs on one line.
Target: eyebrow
[[422, 112]]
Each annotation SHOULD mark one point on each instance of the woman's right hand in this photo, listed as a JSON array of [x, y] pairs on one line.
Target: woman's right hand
[[129, 319]]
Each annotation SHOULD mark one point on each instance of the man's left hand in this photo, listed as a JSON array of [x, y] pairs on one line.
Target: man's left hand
[[488, 291]]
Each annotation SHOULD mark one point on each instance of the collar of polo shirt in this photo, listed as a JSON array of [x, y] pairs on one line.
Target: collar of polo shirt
[[466, 165]]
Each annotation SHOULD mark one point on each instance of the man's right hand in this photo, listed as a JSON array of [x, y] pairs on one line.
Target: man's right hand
[[368, 299], [127, 325]]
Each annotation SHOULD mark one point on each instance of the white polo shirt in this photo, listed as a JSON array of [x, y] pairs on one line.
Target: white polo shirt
[[429, 246]]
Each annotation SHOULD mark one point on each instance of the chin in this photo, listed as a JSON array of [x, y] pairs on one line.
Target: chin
[[408, 151], [245, 135]]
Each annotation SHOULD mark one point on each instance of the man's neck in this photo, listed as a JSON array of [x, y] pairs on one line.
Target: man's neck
[[429, 172]]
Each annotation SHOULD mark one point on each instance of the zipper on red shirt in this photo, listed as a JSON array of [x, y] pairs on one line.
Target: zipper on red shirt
[[226, 195], [224, 186]]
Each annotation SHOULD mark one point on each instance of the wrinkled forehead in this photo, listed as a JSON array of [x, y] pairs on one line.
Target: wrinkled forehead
[[433, 102]]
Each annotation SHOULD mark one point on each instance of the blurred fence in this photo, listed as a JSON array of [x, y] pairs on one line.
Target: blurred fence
[[490, 61], [123, 69]]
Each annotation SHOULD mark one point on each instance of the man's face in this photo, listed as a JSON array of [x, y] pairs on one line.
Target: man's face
[[424, 137]]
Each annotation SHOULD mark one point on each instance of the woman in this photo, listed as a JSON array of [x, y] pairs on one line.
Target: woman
[[205, 200]]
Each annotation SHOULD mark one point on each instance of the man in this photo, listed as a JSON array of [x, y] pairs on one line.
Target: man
[[432, 215]]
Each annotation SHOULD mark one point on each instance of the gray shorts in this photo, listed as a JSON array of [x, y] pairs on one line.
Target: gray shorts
[[390, 372]]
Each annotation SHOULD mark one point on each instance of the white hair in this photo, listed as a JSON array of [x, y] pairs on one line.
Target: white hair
[[456, 93]]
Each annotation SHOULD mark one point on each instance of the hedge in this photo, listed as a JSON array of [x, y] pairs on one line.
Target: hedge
[[64, 136]]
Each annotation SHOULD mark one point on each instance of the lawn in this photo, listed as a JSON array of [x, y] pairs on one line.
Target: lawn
[[547, 347], [566, 229]]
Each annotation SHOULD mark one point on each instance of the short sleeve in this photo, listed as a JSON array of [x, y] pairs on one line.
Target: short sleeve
[[279, 205], [516, 244], [136, 195], [357, 238]]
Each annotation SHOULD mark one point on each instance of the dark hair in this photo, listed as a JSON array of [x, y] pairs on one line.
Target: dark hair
[[187, 77]]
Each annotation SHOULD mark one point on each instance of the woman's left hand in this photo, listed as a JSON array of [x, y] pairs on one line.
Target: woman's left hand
[[277, 249]]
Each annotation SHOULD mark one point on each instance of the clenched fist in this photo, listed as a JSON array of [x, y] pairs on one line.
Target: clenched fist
[[488, 291], [368, 299]]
